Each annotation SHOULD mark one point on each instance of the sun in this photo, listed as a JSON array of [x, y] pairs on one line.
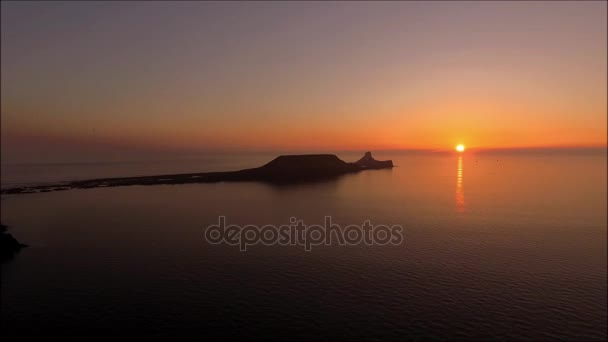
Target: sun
[[460, 148]]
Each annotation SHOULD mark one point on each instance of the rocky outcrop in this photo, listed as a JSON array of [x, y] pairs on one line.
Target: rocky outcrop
[[368, 162], [281, 170], [8, 244], [304, 167]]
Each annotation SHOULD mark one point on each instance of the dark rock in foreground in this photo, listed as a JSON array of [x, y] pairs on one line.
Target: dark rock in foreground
[[8, 244], [281, 170]]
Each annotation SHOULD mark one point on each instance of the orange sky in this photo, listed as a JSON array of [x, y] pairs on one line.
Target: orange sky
[[300, 76]]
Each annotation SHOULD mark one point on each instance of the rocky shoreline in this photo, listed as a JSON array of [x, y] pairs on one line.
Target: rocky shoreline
[[8, 244]]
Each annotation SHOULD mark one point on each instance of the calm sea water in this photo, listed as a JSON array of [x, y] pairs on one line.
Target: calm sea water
[[496, 246]]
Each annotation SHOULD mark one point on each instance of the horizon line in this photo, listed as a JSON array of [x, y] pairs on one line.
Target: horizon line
[[590, 148]]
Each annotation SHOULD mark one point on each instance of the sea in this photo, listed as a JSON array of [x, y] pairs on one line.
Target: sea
[[500, 245]]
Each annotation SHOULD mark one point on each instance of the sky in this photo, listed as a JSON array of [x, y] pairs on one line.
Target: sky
[[119, 80]]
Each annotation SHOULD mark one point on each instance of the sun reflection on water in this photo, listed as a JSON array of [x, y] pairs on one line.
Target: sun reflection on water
[[460, 205]]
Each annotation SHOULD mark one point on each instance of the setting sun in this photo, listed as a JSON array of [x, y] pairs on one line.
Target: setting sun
[[460, 148]]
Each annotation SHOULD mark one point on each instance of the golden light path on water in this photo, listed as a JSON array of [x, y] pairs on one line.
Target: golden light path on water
[[460, 205]]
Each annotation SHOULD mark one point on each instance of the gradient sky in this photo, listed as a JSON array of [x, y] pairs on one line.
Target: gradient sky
[[119, 79]]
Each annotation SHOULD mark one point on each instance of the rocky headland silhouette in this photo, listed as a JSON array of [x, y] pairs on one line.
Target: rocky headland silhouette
[[8, 244], [286, 169]]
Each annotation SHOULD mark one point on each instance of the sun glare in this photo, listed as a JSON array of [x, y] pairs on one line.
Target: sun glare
[[460, 148]]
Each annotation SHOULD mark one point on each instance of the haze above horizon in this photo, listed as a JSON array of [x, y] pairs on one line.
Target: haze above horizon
[[98, 80]]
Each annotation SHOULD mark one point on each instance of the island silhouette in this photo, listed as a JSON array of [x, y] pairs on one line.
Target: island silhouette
[[285, 169]]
